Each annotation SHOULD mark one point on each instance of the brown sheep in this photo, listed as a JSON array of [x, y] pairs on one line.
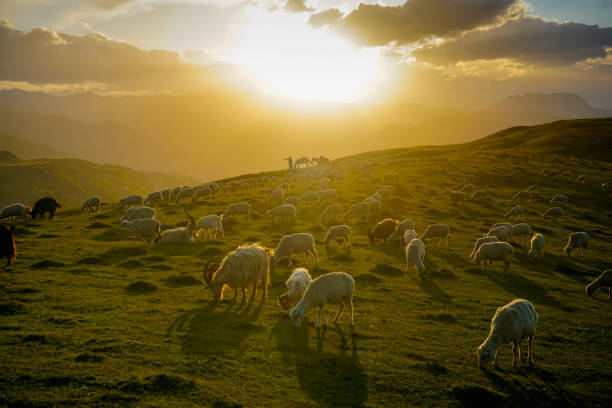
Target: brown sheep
[[382, 230]]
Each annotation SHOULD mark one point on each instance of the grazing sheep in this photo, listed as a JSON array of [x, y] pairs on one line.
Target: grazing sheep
[[521, 196], [175, 192], [276, 196], [338, 232], [310, 197], [7, 244], [333, 212], [302, 161], [211, 223], [479, 242], [136, 213], [185, 192], [479, 195], [382, 230], [295, 243], [165, 194], [455, 196], [143, 227], [554, 212], [293, 200], [576, 240], [296, 286], [537, 247], [203, 191], [467, 189], [604, 281], [183, 235], [133, 199], [374, 208], [503, 224], [243, 266], [154, 198], [409, 235], [415, 253], [439, 231], [398, 234], [359, 210], [335, 287], [45, 205], [239, 209], [521, 230], [15, 210], [512, 322], [502, 233], [329, 194], [283, 211], [91, 205], [494, 251], [559, 198], [518, 211], [605, 188]]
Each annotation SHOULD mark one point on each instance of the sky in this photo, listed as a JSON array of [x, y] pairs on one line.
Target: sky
[[452, 52]]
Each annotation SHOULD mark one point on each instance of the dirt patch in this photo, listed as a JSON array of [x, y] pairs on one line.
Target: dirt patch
[[140, 288]]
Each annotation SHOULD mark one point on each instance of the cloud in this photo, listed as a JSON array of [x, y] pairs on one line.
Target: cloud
[[529, 40], [419, 20], [297, 6], [324, 18]]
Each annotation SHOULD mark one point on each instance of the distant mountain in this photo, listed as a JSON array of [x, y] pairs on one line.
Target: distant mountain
[[27, 149], [561, 105]]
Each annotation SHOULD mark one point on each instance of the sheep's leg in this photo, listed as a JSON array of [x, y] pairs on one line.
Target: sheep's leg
[[264, 288], [515, 351], [244, 295], [496, 359], [235, 295], [316, 256], [529, 348], [318, 323], [350, 305], [290, 260], [348, 241], [339, 312], [254, 290]]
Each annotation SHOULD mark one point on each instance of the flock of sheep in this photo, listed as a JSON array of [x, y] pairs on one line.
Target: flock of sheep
[[247, 267]]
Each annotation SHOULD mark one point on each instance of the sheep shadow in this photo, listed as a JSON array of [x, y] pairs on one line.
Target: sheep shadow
[[330, 379], [432, 289], [525, 288]]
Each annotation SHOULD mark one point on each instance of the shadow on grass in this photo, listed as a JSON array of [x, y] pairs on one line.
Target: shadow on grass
[[432, 289], [525, 288]]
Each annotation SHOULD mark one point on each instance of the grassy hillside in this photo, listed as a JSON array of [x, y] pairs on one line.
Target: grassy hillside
[[27, 149], [72, 181], [74, 332]]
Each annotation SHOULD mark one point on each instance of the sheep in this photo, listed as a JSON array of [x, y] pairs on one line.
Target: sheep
[[604, 280], [561, 198], [165, 195], [45, 205], [294, 243], [409, 235], [576, 240], [15, 210], [467, 189], [154, 198], [502, 233], [91, 204], [521, 230], [143, 227], [133, 199], [181, 235], [580, 179], [276, 196], [7, 244], [374, 207], [358, 210], [605, 188], [203, 191], [293, 200], [334, 287], [332, 212], [503, 224], [283, 211], [211, 222], [382, 230], [479, 195], [516, 211], [136, 213], [479, 242], [537, 247], [439, 231], [175, 192], [512, 322], [494, 251], [296, 286], [239, 209], [336, 232], [329, 194], [185, 192], [243, 266], [415, 253], [455, 196], [554, 212], [398, 234], [532, 188], [310, 196], [522, 196]]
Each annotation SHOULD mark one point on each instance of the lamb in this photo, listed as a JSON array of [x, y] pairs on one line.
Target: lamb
[[516, 211], [409, 235], [554, 212], [521, 230], [494, 251], [239, 209], [243, 266], [604, 281], [479, 195], [415, 253], [398, 234], [335, 287], [294, 243], [512, 322], [276, 196], [143, 227], [283, 211], [522, 196], [333, 212], [338, 232], [561, 198], [576, 240], [7, 244], [296, 286], [136, 213], [154, 198], [181, 235], [480, 242], [45, 205], [439, 231], [133, 199], [358, 210], [185, 192], [91, 205], [537, 247], [382, 230], [211, 222], [502, 233], [15, 210]]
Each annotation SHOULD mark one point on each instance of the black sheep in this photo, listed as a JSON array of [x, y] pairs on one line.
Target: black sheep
[[7, 244], [45, 205]]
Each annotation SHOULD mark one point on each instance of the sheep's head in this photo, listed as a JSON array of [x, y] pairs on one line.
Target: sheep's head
[[124, 223], [485, 353], [568, 250], [214, 285], [296, 316], [283, 301]]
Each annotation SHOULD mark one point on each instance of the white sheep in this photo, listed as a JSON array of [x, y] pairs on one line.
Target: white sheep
[[503, 224], [211, 223], [283, 211], [398, 234], [516, 211], [409, 235], [276, 196], [133, 199], [239, 209], [502, 233], [335, 287], [358, 210], [91, 205], [439, 231], [295, 243], [310, 197], [521, 230], [554, 212], [537, 247], [203, 190], [603, 281], [479, 242], [329, 194], [296, 286], [576, 240], [494, 251], [243, 266], [15, 210], [143, 227], [512, 323], [338, 232], [185, 192], [183, 235], [154, 197], [415, 253], [559, 198], [333, 212], [139, 212]]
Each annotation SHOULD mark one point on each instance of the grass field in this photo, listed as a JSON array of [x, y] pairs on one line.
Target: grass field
[[77, 329]]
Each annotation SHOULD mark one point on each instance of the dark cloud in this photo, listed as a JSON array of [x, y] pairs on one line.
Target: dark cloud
[[297, 6], [324, 18], [416, 20], [528, 39]]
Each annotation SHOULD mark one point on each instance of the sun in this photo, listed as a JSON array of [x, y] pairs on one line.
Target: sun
[[292, 59]]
